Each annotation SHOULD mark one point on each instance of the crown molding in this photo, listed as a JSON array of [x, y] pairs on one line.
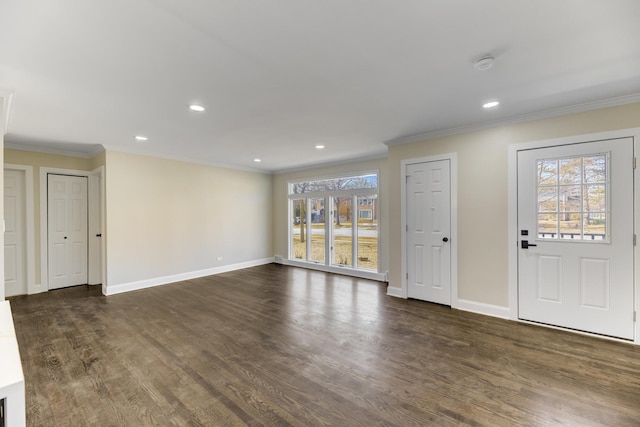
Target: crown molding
[[546, 114], [376, 156], [100, 148], [53, 150], [183, 159], [105, 147]]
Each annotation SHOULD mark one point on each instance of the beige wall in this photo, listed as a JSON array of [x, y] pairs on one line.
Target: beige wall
[[280, 223], [38, 161], [482, 193], [167, 217]]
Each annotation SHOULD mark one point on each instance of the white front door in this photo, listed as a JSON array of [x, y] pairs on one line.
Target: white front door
[[15, 282], [67, 230], [428, 231], [575, 230]]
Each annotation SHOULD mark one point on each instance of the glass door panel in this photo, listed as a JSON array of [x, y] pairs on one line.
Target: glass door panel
[[572, 197], [317, 216], [367, 233], [298, 229], [342, 231]]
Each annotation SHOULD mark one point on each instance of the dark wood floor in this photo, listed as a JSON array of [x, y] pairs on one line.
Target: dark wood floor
[[276, 345]]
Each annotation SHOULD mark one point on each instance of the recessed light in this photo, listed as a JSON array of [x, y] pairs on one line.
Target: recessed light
[[141, 138], [319, 147], [196, 107], [490, 104], [257, 160]]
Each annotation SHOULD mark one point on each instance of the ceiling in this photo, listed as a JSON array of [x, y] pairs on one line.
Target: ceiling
[[281, 76]]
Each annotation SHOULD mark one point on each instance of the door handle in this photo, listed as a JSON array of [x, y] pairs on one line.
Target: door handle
[[65, 237], [524, 244], [445, 239]]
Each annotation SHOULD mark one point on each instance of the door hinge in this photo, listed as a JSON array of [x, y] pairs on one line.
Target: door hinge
[[635, 239], [634, 316], [406, 227], [634, 162], [407, 276]]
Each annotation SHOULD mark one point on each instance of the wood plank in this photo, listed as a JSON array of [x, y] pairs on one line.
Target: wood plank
[[277, 345]]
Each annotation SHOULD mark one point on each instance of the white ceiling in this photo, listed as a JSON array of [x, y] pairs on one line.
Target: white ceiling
[[278, 77]]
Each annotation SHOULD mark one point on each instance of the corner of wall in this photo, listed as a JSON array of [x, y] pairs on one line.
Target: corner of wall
[[397, 292]]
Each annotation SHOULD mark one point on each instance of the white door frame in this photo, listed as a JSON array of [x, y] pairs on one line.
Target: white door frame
[[513, 212], [44, 235], [29, 225], [453, 162]]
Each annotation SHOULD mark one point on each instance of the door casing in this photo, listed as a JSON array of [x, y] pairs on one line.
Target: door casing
[[513, 214]]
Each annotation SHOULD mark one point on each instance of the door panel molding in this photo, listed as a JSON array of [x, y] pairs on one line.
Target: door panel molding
[[15, 245], [428, 231], [513, 237], [32, 287], [68, 235], [453, 238]]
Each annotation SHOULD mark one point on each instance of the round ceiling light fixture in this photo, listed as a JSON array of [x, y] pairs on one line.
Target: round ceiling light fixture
[[319, 147], [484, 63], [141, 138], [257, 160], [196, 107], [491, 104]]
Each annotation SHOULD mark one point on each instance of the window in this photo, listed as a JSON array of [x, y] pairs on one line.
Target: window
[[573, 198], [334, 221], [365, 214]]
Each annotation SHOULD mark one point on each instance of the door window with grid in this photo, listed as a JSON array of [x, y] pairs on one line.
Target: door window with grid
[[573, 198]]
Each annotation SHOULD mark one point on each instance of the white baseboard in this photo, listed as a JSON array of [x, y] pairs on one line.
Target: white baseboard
[[392, 291], [482, 308], [157, 281]]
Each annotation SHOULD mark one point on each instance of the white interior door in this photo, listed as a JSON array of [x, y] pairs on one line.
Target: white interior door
[[428, 231], [67, 230], [576, 242], [15, 277]]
